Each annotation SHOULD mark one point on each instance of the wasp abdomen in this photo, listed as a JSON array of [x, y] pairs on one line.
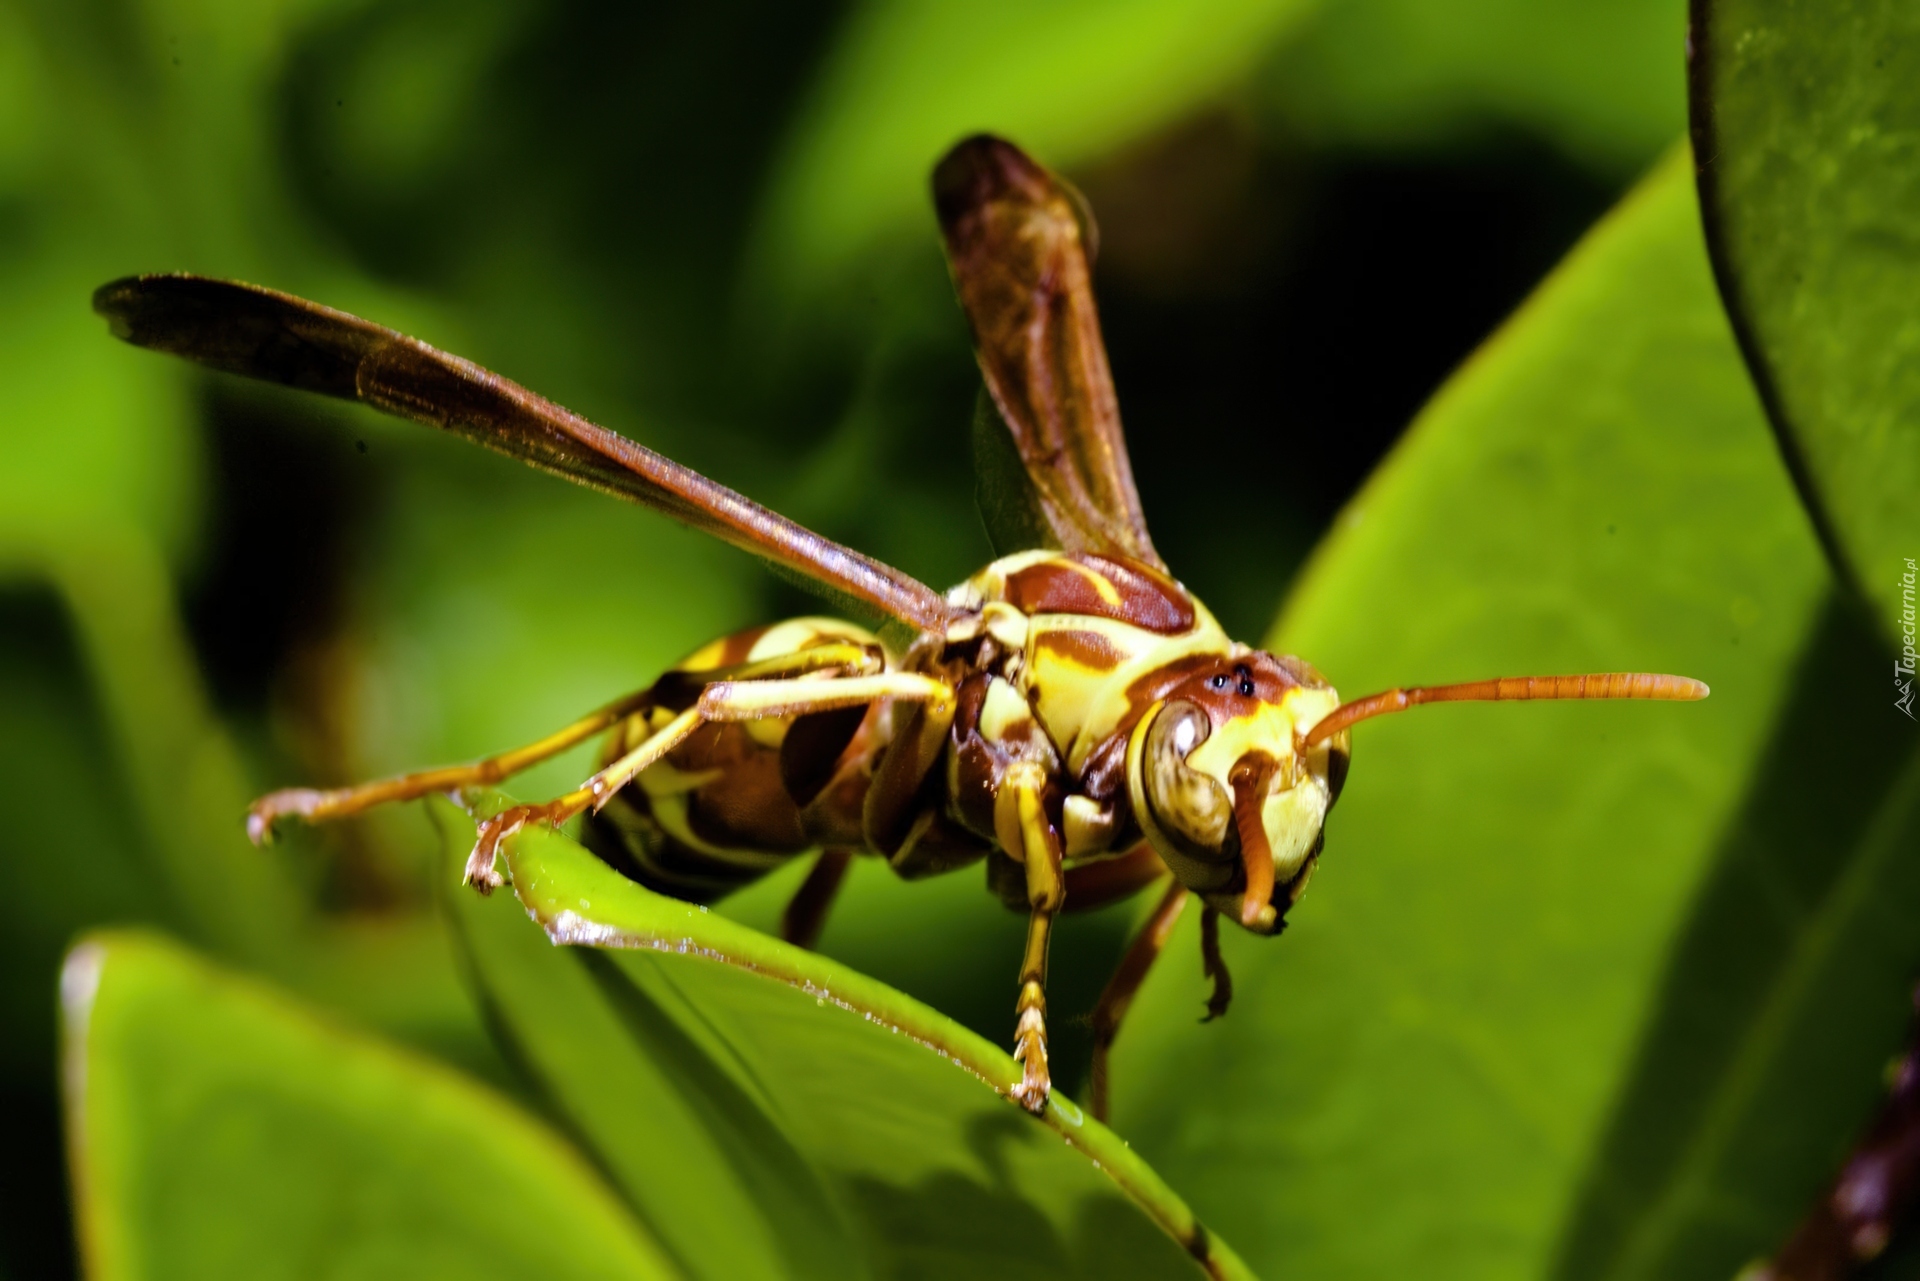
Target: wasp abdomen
[[737, 799]]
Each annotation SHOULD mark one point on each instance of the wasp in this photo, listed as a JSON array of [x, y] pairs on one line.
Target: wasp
[[1070, 715]]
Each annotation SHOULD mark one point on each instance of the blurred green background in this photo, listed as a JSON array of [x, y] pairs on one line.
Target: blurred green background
[[706, 227]]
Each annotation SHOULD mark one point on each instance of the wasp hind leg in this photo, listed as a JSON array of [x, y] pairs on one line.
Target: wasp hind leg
[[806, 912], [1125, 985], [1214, 966], [722, 700], [317, 806]]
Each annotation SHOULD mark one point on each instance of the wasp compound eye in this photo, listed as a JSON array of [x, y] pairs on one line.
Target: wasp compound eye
[[1193, 809]]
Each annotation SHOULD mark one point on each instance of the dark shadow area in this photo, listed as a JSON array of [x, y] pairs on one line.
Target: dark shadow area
[[779, 1175], [621, 150], [1276, 319], [952, 1226], [288, 483], [69, 866], [292, 486], [1758, 1064], [1276, 315], [1901, 1262], [36, 1233], [949, 1226]]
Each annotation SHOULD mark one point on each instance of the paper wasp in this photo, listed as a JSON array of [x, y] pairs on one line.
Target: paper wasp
[[1071, 715]]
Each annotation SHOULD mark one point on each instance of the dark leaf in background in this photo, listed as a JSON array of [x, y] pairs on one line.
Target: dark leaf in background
[[52, 744], [1806, 119], [1871, 1199], [1784, 997], [1278, 314], [1489, 941]]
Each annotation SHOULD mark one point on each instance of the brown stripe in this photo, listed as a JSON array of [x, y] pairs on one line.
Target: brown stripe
[[1085, 649], [1063, 585]]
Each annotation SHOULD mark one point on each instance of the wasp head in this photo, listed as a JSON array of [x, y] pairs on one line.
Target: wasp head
[[1225, 788]]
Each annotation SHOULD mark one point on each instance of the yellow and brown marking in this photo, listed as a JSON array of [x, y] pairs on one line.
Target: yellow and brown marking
[[1101, 587]]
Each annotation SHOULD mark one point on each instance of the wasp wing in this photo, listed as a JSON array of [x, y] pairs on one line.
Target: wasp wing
[[1019, 243], [264, 334]]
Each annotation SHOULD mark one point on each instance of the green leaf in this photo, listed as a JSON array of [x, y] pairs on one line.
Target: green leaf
[[904, 82], [1601, 82], [771, 1113], [1787, 993], [1809, 122], [123, 453], [1476, 1034], [219, 1130]]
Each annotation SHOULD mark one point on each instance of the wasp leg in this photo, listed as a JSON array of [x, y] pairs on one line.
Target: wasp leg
[[1091, 886], [724, 700], [1118, 995], [1026, 832], [594, 792], [317, 806], [807, 912], [1214, 966], [851, 659], [752, 700], [894, 815]]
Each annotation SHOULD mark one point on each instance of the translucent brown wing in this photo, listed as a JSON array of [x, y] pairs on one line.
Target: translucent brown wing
[[1017, 241], [260, 333]]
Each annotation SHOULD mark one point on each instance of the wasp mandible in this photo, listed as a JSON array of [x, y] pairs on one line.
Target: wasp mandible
[[1070, 715]]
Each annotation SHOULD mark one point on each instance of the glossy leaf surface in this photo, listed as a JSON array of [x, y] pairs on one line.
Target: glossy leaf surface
[[192, 1092], [1561, 961], [835, 1127], [1808, 120]]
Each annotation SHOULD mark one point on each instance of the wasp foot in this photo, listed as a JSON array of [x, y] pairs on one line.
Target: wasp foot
[[1030, 1048], [292, 802], [480, 872], [1214, 966]]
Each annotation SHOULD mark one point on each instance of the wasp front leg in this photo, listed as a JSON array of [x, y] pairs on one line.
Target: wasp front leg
[[721, 700], [1026, 832], [1125, 985]]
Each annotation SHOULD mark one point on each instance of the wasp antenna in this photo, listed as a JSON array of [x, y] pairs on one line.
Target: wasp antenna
[[1673, 689]]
